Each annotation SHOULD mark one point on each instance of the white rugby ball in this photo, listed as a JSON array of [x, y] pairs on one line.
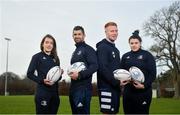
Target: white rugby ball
[[136, 74], [54, 74], [77, 66], [121, 74]]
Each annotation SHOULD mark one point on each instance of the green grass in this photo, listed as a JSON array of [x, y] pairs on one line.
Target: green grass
[[25, 105]]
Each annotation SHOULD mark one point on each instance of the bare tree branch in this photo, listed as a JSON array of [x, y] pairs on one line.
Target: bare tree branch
[[164, 27]]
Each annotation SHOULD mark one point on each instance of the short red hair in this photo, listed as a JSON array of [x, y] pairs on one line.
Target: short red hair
[[110, 24]]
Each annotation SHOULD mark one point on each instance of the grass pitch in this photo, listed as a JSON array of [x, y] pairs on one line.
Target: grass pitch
[[25, 105]]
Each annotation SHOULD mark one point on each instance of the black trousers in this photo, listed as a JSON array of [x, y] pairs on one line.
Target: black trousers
[[137, 102], [46, 102]]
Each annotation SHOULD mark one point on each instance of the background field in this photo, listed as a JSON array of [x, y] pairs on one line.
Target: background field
[[25, 105]]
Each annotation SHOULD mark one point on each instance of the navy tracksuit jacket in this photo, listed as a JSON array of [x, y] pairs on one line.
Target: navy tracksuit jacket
[[80, 89], [108, 60], [137, 101], [47, 97], [108, 87]]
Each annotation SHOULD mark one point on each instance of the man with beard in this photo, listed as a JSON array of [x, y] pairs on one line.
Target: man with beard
[[81, 87]]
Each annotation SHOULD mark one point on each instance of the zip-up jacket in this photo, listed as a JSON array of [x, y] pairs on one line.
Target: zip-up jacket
[[84, 53], [108, 60], [145, 62], [40, 64]]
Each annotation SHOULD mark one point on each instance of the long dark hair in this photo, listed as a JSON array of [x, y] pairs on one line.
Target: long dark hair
[[54, 51]]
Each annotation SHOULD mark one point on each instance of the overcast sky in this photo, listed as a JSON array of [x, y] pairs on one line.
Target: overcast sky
[[26, 22]]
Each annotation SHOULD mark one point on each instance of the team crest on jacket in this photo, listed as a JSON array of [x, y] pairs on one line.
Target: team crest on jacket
[[79, 52], [127, 57], [44, 58], [113, 54], [140, 57]]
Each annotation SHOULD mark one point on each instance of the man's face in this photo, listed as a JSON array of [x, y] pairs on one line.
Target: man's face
[[78, 36], [111, 33]]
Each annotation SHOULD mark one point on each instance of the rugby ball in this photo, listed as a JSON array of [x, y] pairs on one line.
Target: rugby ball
[[54, 74], [136, 74], [122, 74], [77, 66]]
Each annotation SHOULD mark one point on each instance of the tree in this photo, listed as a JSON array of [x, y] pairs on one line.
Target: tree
[[164, 27]]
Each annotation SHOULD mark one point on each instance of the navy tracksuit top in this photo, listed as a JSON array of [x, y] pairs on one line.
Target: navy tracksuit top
[[84, 53], [41, 63], [145, 62], [109, 60]]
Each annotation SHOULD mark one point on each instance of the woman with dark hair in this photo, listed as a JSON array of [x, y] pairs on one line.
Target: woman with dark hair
[[46, 97], [137, 95]]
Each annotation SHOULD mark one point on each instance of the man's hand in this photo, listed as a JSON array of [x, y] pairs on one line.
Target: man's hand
[[74, 75]]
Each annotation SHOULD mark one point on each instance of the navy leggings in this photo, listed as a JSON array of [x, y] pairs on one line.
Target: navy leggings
[[137, 103]]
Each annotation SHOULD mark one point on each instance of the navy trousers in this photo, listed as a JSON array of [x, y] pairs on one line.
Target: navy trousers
[[46, 102], [137, 103], [80, 100]]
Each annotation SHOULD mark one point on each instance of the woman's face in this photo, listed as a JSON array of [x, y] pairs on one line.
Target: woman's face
[[135, 44], [48, 45]]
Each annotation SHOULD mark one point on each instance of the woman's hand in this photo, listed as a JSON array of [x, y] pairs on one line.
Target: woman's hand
[[48, 82], [138, 85], [124, 82]]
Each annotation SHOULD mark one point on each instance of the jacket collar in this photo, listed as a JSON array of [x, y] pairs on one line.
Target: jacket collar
[[108, 42], [80, 44]]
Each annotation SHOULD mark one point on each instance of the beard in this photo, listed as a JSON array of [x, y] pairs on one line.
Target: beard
[[77, 40]]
